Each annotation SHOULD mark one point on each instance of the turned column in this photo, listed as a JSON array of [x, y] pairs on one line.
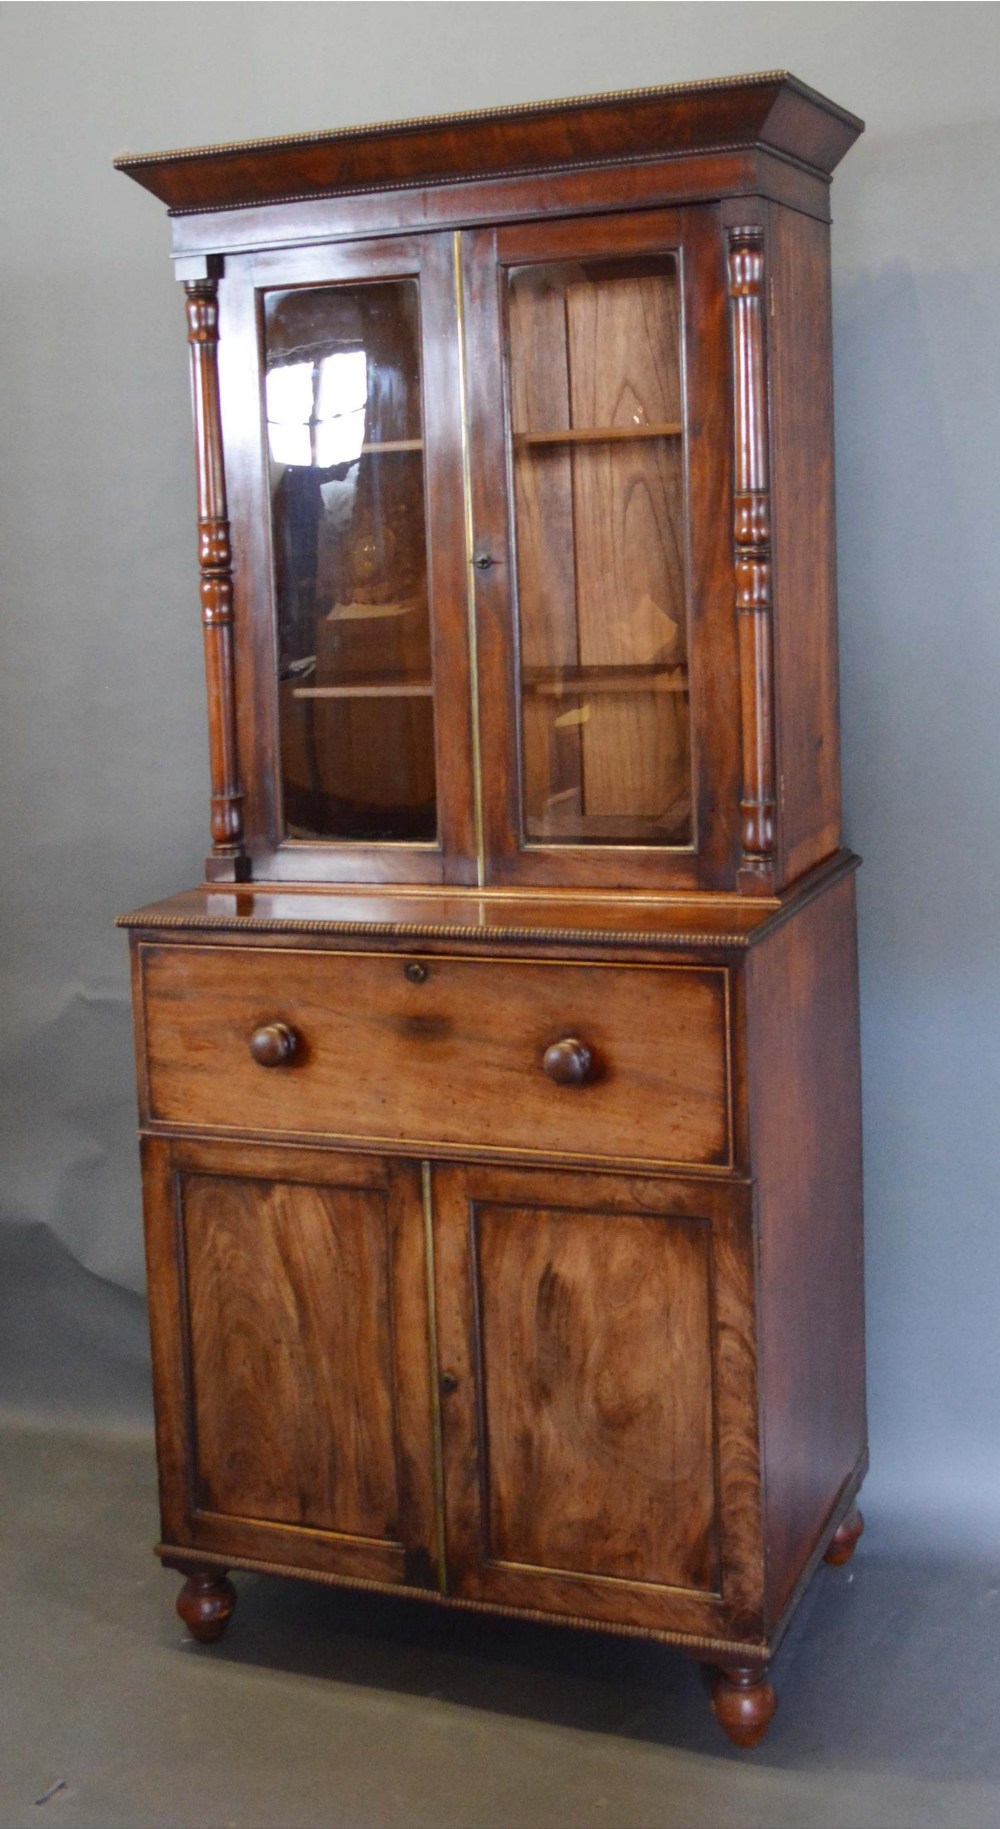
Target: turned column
[[227, 861], [752, 557]]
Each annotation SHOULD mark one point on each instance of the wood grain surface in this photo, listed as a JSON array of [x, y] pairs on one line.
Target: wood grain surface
[[291, 1353], [456, 1058], [546, 554], [600, 543], [773, 107], [289, 1311], [596, 1369], [806, 656], [600, 1421], [805, 1133]]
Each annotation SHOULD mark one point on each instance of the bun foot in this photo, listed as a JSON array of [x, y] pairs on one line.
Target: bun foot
[[205, 1602], [743, 1704], [844, 1541]]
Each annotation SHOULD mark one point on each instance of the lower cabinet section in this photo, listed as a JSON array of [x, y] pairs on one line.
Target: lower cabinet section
[[525, 1389]]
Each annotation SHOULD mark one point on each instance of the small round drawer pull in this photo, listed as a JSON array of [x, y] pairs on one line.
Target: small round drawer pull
[[273, 1044], [568, 1062], [415, 972]]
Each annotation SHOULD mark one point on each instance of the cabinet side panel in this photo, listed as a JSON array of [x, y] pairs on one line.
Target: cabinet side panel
[[164, 1281], [805, 1123], [805, 580]]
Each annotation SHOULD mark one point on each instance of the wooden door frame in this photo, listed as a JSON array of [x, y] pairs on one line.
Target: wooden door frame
[[429, 259], [695, 233]]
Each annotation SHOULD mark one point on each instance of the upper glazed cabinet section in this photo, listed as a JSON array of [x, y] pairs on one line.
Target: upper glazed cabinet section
[[514, 493]]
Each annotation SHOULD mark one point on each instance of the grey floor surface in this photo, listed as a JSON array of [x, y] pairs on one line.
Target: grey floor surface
[[324, 1708]]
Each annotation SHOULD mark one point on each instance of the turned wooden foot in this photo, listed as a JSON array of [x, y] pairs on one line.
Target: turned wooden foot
[[843, 1543], [205, 1602], [743, 1703]]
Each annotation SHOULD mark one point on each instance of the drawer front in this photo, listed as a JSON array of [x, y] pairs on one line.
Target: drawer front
[[456, 1053]]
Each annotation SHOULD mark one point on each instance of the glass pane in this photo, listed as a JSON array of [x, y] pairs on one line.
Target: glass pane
[[342, 394], [597, 417]]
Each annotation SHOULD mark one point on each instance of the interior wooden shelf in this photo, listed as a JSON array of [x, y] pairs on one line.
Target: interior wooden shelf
[[570, 826], [594, 435], [575, 682], [392, 444], [379, 689]]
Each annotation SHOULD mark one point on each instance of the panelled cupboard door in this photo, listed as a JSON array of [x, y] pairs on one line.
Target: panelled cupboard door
[[341, 407], [596, 1346], [289, 1315], [599, 410]]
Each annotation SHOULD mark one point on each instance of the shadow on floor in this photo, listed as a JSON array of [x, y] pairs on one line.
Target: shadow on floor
[[328, 1708], [872, 1670]]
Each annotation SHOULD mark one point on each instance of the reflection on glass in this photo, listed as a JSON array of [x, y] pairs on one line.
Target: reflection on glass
[[342, 401], [597, 417]]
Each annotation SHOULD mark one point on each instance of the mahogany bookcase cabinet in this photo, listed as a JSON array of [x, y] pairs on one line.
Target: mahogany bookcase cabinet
[[499, 1086]]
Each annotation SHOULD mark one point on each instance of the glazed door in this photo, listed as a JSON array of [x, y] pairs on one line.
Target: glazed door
[[607, 650], [339, 370], [289, 1321], [595, 1338]]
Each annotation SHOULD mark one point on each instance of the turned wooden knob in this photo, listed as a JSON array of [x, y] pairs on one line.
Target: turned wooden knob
[[273, 1044], [569, 1062]]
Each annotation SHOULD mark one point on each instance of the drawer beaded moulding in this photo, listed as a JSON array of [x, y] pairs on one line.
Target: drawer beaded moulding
[[499, 1086]]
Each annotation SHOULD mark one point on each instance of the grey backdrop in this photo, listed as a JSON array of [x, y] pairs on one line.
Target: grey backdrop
[[103, 754]]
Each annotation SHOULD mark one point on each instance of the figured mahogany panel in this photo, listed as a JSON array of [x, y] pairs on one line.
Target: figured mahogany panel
[[291, 1353], [290, 1320], [441, 1052], [596, 1340], [805, 1132], [596, 1392]]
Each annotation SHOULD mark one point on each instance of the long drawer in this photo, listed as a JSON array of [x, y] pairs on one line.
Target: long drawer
[[589, 1062]]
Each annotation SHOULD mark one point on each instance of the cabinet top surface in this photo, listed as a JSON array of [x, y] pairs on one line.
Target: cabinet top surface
[[664, 924], [772, 109]]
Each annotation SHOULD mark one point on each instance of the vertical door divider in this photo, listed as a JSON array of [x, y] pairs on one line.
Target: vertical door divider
[[470, 584], [427, 1196]]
